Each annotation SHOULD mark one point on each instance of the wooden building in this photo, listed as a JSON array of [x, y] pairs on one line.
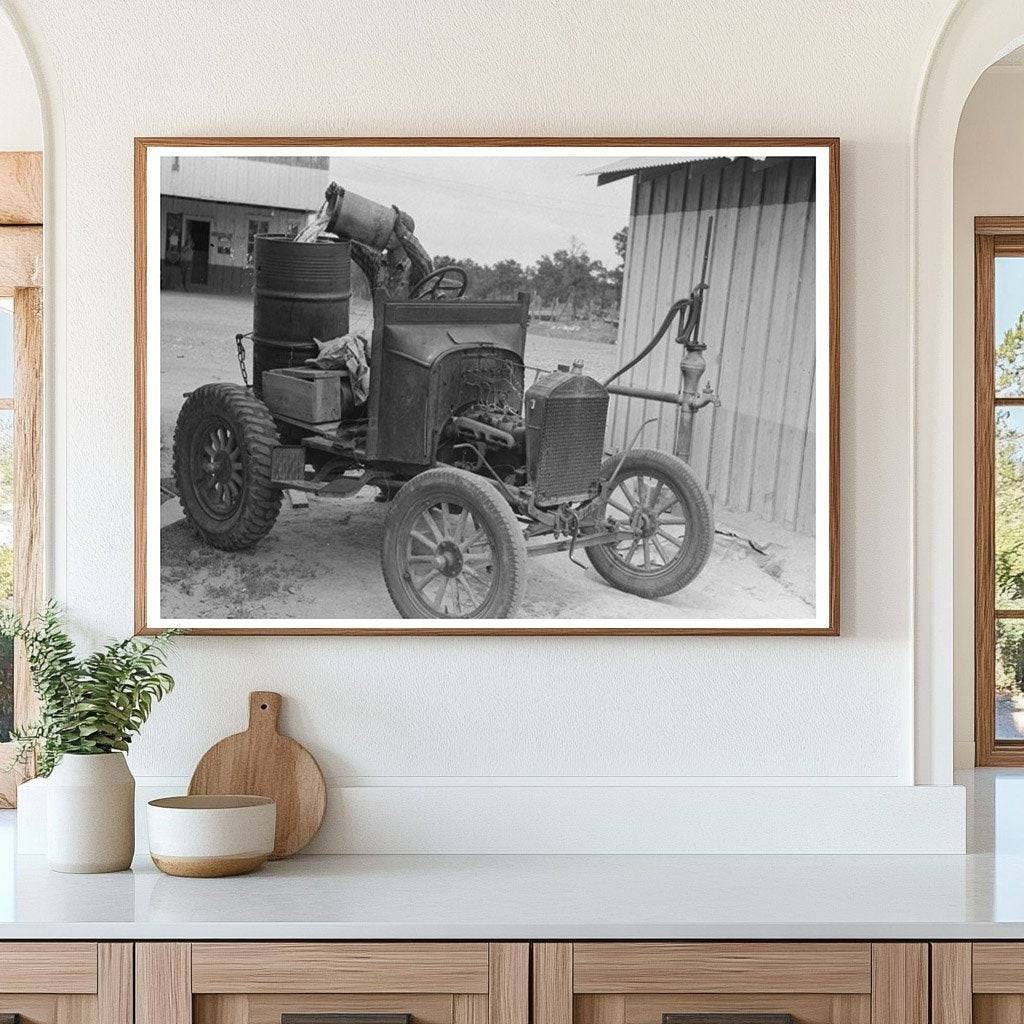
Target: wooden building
[[756, 451], [222, 203]]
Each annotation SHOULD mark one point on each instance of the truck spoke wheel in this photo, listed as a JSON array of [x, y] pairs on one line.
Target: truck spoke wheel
[[217, 468], [656, 499], [651, 495], [451, 574], [453, 549]]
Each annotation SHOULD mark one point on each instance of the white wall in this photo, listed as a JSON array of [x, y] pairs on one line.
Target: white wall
[[988, 181], [447, 713], [21, 124]]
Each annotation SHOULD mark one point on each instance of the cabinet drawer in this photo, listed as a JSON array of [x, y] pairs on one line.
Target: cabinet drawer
[[260, 982], [981, 982], [737, 982], [48, 967], [66, 982], [630, 967], [340, 967], [271, 1008], [998, 967]]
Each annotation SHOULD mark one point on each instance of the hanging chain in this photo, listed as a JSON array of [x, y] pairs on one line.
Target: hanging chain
[[241, 357]]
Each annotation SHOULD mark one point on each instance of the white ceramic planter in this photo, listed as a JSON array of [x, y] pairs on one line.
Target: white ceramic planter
[[90, 814]]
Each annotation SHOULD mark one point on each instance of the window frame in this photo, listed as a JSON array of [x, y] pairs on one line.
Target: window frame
[[993, 237], [21, 255]]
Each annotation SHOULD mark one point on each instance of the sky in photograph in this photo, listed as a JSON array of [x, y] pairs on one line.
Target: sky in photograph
[[490, 208]]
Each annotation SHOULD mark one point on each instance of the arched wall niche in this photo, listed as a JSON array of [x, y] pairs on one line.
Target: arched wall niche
[[21, 114], [975, 35]]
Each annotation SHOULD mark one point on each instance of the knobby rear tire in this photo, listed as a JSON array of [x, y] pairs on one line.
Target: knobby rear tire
[[254, 513]]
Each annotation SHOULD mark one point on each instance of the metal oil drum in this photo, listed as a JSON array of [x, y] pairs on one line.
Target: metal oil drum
[[301, 291]]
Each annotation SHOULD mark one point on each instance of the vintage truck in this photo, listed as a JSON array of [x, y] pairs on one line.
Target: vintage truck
[[480, 467]]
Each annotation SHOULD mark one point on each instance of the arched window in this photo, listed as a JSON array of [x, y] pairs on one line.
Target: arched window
[[989, 330], [999, 489]]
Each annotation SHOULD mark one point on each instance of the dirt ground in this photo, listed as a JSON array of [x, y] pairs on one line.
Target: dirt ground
[[323, 561]]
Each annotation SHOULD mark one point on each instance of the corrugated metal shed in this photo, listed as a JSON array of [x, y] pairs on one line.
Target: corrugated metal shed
[[244, 181], [630, 165], [757, 451]]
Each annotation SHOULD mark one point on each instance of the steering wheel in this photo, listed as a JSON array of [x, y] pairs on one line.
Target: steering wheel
[[443, 283]]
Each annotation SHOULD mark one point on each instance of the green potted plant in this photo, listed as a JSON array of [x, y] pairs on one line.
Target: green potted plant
[[89, 710]]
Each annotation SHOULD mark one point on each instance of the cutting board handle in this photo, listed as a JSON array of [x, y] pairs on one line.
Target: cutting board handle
[[264, 710]]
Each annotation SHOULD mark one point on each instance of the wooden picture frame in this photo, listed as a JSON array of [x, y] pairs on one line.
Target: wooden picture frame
[[824, 622], [21, 273]]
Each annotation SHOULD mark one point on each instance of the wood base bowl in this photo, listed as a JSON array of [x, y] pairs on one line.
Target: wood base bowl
[[211, 836], [209, 867]]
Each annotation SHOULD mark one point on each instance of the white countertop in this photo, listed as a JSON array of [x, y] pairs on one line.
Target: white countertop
[[978, 896], [531, 897]]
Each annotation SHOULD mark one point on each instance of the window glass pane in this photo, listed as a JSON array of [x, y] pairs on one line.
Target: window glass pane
[[1009, 325], [1009, 679], [6, 349], [1009, 486], [6, 567]]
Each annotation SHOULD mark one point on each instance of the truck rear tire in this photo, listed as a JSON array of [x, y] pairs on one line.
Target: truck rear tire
[[453, 549], [659, 500], [222, 445]]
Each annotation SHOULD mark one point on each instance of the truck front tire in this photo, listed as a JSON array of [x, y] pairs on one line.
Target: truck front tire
[[659, 501], [453, 549]]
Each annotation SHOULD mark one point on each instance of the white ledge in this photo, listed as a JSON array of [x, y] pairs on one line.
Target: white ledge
[[531, 897]]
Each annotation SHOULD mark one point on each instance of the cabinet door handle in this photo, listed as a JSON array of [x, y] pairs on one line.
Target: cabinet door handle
[[337, 1018], [728, 1018]]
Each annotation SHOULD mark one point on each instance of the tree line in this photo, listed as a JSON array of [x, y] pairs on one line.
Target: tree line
[[567, 283]]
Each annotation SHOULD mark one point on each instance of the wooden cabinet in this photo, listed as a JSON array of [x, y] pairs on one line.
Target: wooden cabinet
[[494, 983], [815, 982], [979, 982], [259, 982], [66, 982]]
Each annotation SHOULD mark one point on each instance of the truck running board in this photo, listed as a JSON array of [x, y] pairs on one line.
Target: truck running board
[[288, 471]]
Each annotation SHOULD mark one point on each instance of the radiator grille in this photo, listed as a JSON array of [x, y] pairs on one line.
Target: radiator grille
[[565, 419]]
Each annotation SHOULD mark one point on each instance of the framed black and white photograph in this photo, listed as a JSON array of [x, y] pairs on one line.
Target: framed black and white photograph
[[487, 385]]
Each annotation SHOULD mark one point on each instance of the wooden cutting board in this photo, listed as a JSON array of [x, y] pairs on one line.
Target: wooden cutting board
[[262, 762]]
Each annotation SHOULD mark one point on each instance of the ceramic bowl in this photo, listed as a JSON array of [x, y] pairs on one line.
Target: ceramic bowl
[[211, 836]]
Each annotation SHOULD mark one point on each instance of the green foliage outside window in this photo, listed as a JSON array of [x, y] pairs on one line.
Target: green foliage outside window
[[6, 572], [1009, 508], [6, 688]]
